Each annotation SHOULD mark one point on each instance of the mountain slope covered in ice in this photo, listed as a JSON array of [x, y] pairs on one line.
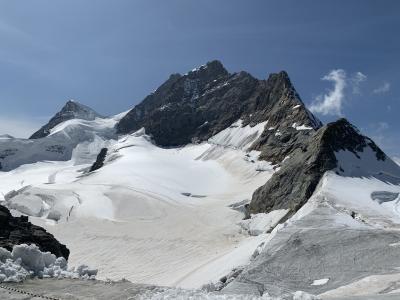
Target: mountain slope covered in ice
[[80, 138]]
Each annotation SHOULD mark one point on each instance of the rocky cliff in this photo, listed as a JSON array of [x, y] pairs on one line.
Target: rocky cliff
[[195, 106], [295, 182], [18, 230]]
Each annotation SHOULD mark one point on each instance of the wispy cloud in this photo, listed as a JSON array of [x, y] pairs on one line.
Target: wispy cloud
[[331, 103], [19, 126], [384, 88], [356, 80]]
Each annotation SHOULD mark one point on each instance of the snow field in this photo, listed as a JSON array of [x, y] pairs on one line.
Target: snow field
[[166, 211]]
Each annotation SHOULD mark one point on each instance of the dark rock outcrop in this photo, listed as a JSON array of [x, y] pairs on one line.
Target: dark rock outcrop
[[296, 181], [15, 231], [71, 110], [99, 160], [196, 106]]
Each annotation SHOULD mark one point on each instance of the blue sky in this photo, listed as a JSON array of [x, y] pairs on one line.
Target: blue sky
[[342, 56]]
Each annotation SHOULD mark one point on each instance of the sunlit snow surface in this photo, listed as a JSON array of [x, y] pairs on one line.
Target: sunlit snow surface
[[150, 215]]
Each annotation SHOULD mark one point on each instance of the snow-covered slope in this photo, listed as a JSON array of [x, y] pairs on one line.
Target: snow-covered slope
[[167, 211], [60, 144]]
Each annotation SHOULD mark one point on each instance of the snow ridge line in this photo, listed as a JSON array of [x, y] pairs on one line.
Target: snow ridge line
[[27, 293]]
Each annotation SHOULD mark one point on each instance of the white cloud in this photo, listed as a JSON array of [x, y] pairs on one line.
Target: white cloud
[[21, 127], [384, 88], [356, 79], [331, 103]]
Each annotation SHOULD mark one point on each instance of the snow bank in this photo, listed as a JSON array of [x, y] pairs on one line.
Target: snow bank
[[320, 281], [301, 127], [262, 222], [28, 261], [238, 137]]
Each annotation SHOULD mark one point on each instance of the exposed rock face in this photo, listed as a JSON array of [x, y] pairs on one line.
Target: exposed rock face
[[15, 231], [295, 182], [100, 160], [71, 110], [196, 106]]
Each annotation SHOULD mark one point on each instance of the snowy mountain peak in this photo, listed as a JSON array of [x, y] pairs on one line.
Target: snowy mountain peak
[[71, 110]]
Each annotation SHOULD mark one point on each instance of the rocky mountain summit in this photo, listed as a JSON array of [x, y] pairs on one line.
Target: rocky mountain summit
[[71, 110], [195, 106]]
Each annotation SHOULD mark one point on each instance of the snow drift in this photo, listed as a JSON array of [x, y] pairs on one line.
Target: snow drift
[[27, 261]]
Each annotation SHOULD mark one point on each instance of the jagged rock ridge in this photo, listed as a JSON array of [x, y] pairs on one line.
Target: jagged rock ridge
[[295, 182], [18, 230], [196, 106], [71, 110]]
